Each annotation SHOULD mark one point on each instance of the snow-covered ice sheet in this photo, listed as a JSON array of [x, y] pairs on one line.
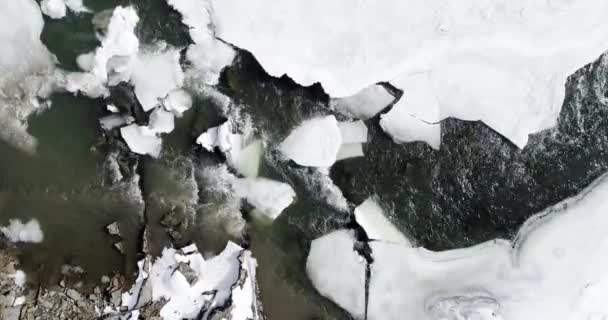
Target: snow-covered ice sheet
[[364, 104], [208, 54], [555, 269], [502, 62], [337, 271], [269, 197], [315, 142], [17, 231], [372, 218]]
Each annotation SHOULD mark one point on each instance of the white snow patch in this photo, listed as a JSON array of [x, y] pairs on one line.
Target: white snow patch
[[364, 104], [337, 271], [502, 62], [142, 140], [372, 218], [16, 231], [208, 55], [314, 143], [155, 75], [269, 197]]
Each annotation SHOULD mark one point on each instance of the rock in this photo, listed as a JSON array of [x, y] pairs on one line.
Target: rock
[[113, 229]]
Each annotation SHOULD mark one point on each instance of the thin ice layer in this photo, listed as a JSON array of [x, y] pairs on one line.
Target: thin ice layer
[[372, 218], [502, 62], [337, 271], [314, 143]]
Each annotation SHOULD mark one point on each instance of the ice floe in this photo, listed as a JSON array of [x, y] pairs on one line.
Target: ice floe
[[161, 121], [26, 71], [364, 104], [315, 142], [155, 74], [504, 63], [208, 54], [554, 269], [57, 9], [372, 218], [338, 272], [177, 101], [17, 231], [268, 197], [142, 140]]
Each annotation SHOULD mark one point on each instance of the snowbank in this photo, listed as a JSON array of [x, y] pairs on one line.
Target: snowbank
[[314, 143], [554, 269], [16, 231], [504, 63], [372, 218], [208, 55], [338, 272]]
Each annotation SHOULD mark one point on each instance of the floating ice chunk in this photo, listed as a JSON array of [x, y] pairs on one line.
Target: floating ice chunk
[[244, 294], [372, 218], [177, 101], [364, 104], [112, 62], [269, 197], [208, 55], [314, 143], [220, 137], [350, 150], [471, 51], [247, 160], [338, 272], [76, 6], [155, 75], [406, 128], [17, 231], [114, 121], [55, 9], [142, 140], [161, 121], [353, 131]]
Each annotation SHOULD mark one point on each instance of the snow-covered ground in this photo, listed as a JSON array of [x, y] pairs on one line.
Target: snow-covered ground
[[502, 62], [555, 269]]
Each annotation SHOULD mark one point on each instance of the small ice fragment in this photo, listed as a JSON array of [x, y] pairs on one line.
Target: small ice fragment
[[155, 75], [372, 218], [112, 108], [142, 140], [269, 197], [350, 150], [178, 101], [314, 143], [55, 9], [161, 121]]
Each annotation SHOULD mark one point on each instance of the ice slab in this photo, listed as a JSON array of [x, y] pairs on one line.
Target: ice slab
[[372, 218], [269, 197], [350, 150], [142, 140], [338, 272], [55, 9], [177, 101], [17, 231], [161, 121], [314, 143], [156, 74], [220, 137], [504, 63], [208, 55], [364, 104]]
